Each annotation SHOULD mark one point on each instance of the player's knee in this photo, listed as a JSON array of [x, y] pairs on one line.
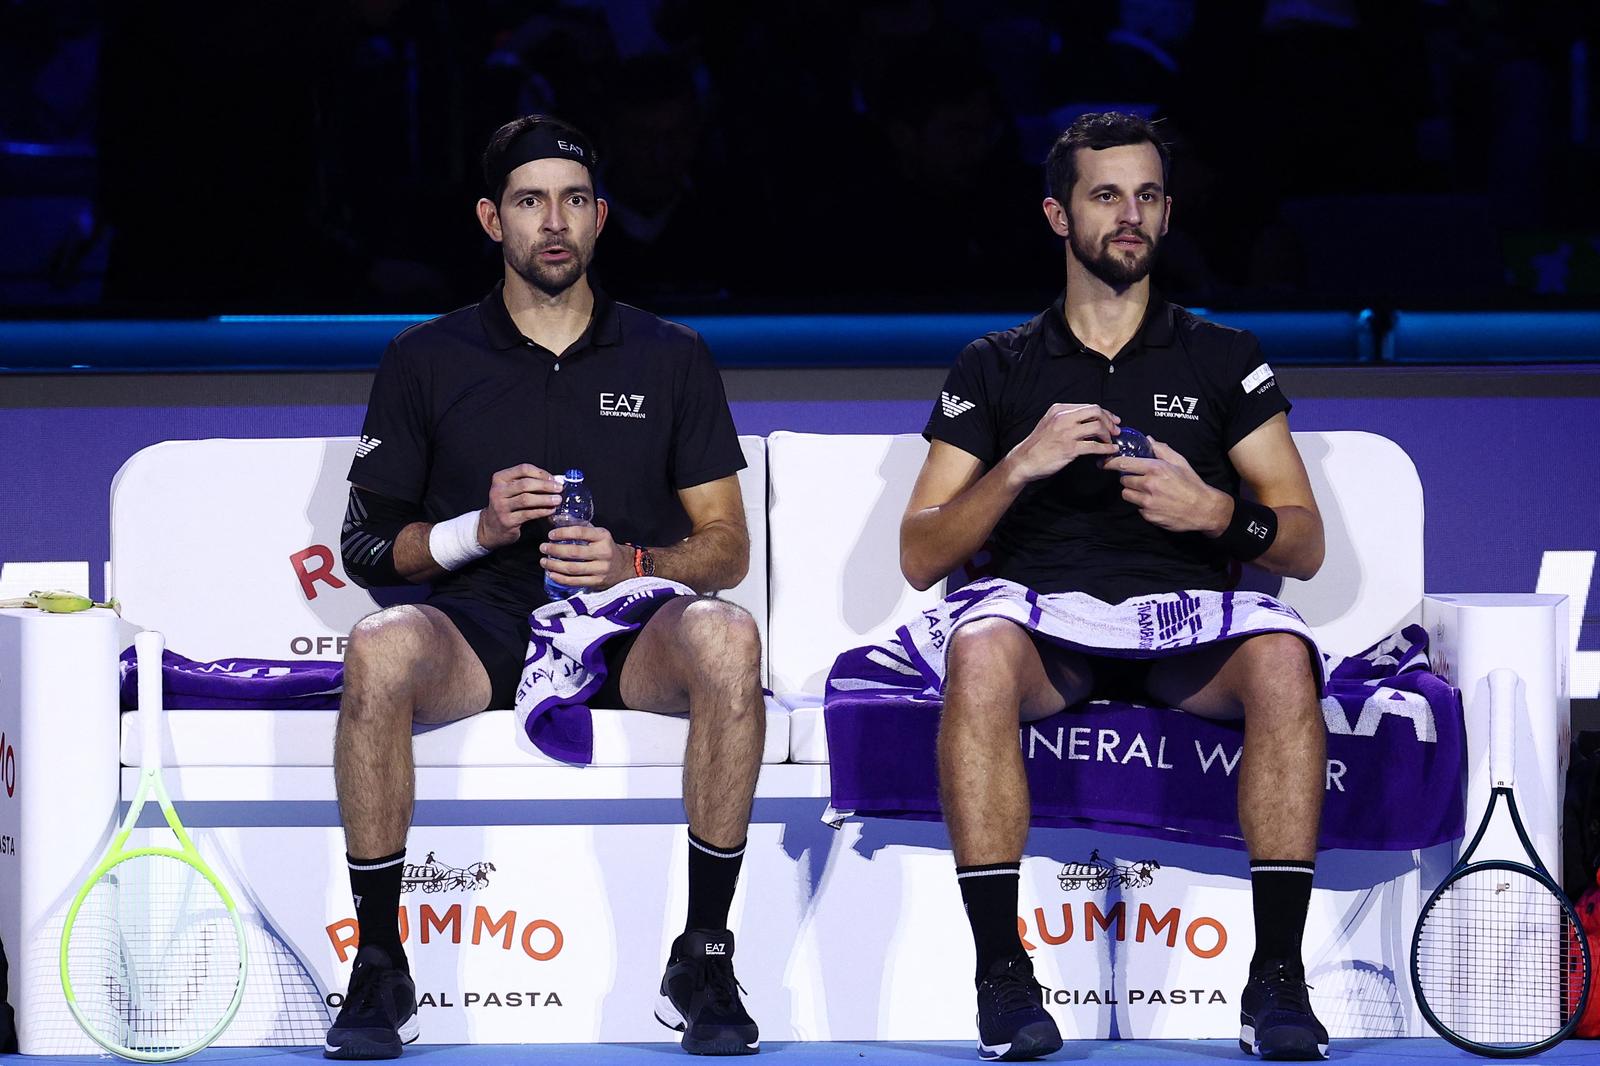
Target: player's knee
[[1278, 672], [382, 657], [986, 653], [722, 639]]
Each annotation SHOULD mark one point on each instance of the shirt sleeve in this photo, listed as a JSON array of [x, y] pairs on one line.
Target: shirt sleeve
[[1252, 389], [392, 456], [965, 414], [705, 445]]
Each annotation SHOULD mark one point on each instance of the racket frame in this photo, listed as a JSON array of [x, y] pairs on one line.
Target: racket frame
[[148, 646], [1502, 771]]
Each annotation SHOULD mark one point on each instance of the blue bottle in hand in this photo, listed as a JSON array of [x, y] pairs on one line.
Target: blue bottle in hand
[[576, 509], [1133, 443]]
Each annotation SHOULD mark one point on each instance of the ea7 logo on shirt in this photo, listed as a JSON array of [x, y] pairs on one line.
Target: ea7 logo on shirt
[[954, 405], [366, 446], [1174, 406], [621, 405], [716, 949]]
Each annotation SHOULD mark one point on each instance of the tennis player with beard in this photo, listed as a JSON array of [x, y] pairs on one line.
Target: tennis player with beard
[[1022, 462], [471, 416]]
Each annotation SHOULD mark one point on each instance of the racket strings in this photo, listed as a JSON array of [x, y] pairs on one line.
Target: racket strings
[[282, 1007], [1497, 959], [153, 956]]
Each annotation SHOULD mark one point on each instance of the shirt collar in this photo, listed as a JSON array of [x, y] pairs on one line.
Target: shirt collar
[[605, 325], [1155, 331]]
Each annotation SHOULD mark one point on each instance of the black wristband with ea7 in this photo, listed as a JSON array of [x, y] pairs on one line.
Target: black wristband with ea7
[[1251, 531]]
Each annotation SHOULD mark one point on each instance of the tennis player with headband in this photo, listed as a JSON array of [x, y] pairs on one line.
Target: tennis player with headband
[[469, 415]]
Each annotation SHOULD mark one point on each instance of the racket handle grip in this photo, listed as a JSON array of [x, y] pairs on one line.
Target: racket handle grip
[[1503, 726], [148, 646]]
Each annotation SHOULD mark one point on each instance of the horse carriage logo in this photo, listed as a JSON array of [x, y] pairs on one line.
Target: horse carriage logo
[[1098, 874], [431, 875]]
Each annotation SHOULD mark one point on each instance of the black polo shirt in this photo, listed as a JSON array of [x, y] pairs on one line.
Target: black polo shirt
[[1192, 384], [635, 403]]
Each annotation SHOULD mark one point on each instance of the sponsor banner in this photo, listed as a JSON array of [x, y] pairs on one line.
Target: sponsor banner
[[558, 934], [1131, 938]]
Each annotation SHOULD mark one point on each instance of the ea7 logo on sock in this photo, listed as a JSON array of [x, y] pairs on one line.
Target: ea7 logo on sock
[[954, 405], [1174, 406], [716, 949], [621, 405]]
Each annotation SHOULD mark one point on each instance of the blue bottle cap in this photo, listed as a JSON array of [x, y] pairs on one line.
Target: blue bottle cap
[[574, 475]]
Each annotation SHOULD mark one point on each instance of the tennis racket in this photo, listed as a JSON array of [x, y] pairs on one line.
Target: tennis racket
[[153, 951], [1499, 960]]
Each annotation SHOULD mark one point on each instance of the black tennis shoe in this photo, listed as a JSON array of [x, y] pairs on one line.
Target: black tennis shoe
[[1012, 1021], [700, 996], [1275, 1018], [379, 1014]]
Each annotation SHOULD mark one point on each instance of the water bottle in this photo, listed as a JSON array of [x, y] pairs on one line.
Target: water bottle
[[576, 509]]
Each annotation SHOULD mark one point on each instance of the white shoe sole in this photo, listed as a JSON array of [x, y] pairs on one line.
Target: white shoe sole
[[673, 1019], [1249, 1045], [668, 1015]]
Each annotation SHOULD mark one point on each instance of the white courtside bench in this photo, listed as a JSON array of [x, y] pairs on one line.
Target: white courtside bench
[[230, 547]]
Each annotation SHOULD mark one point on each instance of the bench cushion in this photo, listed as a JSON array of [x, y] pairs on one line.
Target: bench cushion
[[493, 738]]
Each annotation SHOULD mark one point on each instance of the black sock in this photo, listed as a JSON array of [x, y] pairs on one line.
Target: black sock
[[1282, 895], [990, 896], [375, 886], [713, 875]]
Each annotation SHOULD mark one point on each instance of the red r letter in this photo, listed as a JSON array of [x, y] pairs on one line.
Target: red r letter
[[322, 570]]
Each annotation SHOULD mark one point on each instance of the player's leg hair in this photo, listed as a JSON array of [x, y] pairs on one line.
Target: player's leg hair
[[403, 664], [996, 677], [703, 656], [1268, 680]]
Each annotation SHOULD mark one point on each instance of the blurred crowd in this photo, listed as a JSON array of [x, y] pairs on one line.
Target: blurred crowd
[[322, 155]]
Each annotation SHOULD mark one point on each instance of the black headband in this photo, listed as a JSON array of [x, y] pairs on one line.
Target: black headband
[[542, 142]]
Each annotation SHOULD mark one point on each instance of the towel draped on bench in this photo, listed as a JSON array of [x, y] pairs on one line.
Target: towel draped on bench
[[1396, 744], [237, 683]]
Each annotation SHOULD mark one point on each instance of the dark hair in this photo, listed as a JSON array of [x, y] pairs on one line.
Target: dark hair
[[494, 156], [1097, 130]]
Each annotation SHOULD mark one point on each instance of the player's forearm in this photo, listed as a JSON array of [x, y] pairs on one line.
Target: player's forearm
[[412, 559], [712, 558], [936, 540]]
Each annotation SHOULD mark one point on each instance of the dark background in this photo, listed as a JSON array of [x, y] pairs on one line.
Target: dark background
[[178, 158]]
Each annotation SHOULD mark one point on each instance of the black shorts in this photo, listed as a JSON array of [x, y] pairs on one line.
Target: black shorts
[[500, 640], [1112, 678]]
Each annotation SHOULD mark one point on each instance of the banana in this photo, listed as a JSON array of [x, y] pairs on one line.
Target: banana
[[57, 601]]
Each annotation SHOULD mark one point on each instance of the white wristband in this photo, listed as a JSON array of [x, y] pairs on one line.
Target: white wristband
[[454, 543]]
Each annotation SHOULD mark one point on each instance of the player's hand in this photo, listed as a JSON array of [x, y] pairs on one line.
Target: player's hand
[[1169, 494], [517, 495], [592, 561], [1066, 432]]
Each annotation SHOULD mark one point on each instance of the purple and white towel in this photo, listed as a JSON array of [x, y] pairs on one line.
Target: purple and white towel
[[1396, 744], [565, 665], [237, 684]]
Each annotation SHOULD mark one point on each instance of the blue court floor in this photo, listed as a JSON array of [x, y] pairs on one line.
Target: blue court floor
[[1120, 1052]]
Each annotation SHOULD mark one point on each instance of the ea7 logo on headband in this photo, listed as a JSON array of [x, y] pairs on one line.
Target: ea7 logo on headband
[[568, 146]]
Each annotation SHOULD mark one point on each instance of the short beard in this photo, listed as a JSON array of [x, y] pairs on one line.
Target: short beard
[[1112, 267], [552, 279]]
